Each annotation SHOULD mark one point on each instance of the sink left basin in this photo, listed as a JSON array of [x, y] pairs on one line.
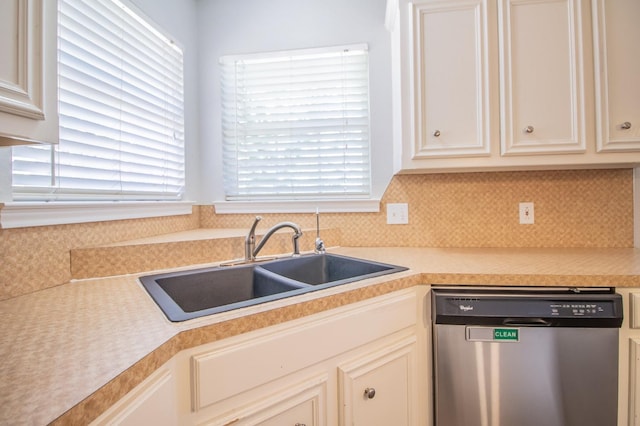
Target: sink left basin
[[186, 295]]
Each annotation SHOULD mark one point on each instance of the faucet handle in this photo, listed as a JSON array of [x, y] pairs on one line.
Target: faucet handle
[[251, 235], [252, 231], [250, 240], [320, 246]]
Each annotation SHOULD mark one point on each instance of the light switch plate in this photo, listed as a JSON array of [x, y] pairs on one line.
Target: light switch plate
[[397, 213]]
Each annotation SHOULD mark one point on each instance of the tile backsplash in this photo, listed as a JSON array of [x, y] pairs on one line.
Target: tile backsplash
[[35, 258], [573, 208]]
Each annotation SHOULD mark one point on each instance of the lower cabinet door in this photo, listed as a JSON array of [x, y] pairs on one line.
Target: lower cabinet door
[[378, 389], [302, 414], [634, 382], [153, 402]]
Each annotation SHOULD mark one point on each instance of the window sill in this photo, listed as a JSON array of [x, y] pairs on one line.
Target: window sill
[[26, 214], [298, 206]]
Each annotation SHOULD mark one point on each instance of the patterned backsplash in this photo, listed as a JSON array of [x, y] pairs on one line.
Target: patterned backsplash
[[574, 208]]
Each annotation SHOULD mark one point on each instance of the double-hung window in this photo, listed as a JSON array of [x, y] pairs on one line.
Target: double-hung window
[[121, 112], [296, 125]]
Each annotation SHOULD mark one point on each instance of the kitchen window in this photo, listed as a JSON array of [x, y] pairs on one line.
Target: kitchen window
[[121, 112], [295, 125]]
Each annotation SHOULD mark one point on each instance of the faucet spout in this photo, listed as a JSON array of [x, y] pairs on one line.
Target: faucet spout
[[297, 234]]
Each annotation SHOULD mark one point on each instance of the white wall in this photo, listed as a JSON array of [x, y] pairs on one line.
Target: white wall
[[248, 26], [5, 174]]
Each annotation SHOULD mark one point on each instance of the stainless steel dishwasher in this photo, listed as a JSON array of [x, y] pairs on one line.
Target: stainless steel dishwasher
[[526, 357]]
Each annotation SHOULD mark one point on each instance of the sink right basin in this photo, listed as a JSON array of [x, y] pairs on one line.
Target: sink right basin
[[329, 269]]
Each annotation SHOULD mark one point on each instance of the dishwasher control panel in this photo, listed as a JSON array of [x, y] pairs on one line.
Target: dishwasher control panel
[[580, 309], [535, 309]]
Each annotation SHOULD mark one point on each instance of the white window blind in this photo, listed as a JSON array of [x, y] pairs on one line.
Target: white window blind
[[121, 111], [296, 124]]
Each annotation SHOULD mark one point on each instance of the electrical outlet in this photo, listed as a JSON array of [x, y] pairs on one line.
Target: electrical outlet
[[526, 214], [397, 213]]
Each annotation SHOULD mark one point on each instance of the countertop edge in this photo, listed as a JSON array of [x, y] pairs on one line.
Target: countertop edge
[[107, 395]]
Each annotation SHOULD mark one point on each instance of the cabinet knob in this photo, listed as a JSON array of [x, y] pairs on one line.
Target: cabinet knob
[[528, 129], [369, 393], [436, 133], [625, 126]]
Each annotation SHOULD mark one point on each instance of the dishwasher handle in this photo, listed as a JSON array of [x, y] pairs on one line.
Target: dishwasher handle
[[526, 322]]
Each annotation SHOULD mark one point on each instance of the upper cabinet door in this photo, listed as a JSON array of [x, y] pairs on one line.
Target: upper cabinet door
[[28, 72], [451, 78], [21, 71], [616, 31], [541, 81]]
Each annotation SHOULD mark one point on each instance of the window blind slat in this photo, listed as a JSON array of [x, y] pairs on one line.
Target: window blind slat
[[121, 111]]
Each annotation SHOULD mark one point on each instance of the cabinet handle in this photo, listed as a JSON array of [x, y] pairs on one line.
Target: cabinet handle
[[625, 126], [528, 129], [369, 393], [436, 133], [300, 424]]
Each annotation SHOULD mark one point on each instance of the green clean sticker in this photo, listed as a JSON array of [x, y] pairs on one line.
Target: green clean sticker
[[506, 334]]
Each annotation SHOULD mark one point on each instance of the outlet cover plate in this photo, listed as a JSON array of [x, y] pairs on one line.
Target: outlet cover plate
[[526, 214]]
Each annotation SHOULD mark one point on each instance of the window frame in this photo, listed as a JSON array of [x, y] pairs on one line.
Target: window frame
[[30, 214]]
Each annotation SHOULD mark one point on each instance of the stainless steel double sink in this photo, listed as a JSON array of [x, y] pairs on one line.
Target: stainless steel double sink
[[195, 293]]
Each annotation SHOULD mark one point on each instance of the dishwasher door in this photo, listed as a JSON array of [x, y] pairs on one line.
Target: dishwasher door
[[526, 357], [551, 376]]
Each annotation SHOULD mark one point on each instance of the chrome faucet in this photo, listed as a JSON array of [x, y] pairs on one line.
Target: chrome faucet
[[250, 249]]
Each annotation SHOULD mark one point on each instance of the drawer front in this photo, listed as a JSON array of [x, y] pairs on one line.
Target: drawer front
[[239, 364]]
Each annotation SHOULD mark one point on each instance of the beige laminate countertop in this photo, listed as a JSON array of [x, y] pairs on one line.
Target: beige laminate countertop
[[69, 352]]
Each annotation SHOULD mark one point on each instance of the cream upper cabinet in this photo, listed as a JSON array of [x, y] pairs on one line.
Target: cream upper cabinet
[[28, 72], [617, 74], [452, 82], [504, 84], [541, 82]]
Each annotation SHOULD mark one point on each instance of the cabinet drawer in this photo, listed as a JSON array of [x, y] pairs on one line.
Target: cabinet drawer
[[238, 364]]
